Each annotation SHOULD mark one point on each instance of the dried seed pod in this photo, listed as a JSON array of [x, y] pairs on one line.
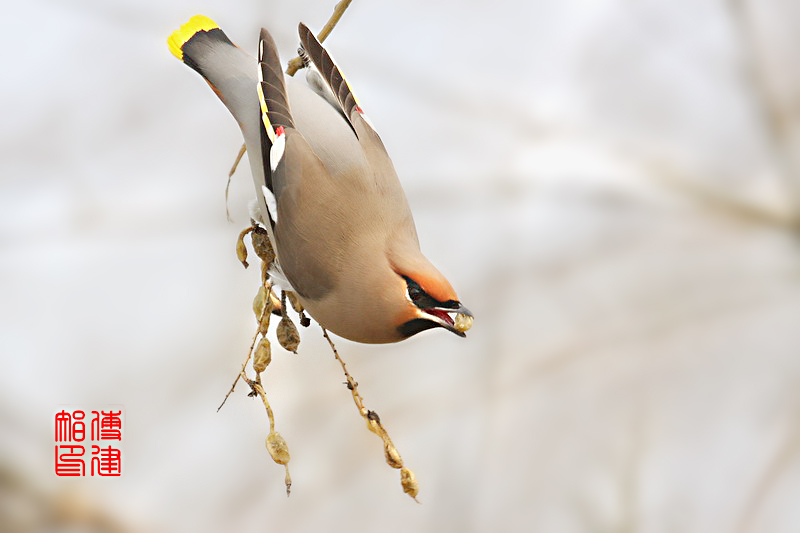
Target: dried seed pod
[[262, 356], [288, 335], [374, 427], [463, 322], [296, 305], [264, 272], [278, 449], [409, 482], [393, 458], [241, 250], [374, 423], [262, 246], [275, 303], [263, 327], [304, 320], [260, 301]]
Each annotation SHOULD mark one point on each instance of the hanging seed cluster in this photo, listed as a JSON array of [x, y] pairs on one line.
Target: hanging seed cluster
[[265, 304], [407, 479], [265, 301]]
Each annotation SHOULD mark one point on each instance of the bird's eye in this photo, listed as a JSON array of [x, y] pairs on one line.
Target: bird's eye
[[418, 296], [423, 300]]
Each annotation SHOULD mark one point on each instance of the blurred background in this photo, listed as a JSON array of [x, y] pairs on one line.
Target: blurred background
[[612, 187]]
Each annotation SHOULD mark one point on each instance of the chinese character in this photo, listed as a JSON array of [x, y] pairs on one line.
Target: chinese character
[[108, 461], [108, 426], [69, 464], [70, 429]]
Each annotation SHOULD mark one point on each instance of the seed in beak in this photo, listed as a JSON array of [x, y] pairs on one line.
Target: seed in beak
[[463, 322]]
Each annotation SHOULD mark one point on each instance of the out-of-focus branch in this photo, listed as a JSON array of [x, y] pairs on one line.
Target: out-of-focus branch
[[770, 477], [296, 63], [727, 204], [773, 115]]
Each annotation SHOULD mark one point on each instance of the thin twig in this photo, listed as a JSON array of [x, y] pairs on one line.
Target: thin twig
[[352, 385], [258, 388], [772, 113], [720, 202], [275, 443], [392, 456], [242, 150], [296, 63], [268, 287], [240, 374]]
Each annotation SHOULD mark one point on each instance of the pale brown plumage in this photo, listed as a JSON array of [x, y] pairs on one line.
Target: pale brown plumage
[[343, 232]]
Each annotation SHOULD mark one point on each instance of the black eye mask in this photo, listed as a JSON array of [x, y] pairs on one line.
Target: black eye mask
[[423, 300]]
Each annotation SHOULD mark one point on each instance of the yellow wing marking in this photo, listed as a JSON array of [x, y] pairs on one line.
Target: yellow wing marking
[[264, 116]]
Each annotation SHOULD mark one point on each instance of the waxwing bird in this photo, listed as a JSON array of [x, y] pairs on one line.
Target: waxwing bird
[[328, 194]]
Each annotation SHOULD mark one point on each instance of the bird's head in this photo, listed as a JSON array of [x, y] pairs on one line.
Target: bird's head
[[430, 302]]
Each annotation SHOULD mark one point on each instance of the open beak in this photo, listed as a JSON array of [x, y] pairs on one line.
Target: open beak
[[457, 320]]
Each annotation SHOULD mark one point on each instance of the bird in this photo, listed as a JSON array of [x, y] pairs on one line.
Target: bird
[[327, 192]]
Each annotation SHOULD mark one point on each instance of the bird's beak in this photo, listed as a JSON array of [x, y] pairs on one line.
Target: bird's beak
[[459, 323]]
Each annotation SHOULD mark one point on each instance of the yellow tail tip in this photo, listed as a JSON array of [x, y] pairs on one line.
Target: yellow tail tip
[[184, 33]]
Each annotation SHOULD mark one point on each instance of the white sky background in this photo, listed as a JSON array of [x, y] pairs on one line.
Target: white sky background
[[596, 179]]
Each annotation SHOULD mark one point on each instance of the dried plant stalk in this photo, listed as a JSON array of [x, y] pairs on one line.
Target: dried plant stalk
[[276, 445], [242, 150], [244, 365], [241, 248], [263, 305], [262, 308], [288, 336], [407, 479], [296, 63]]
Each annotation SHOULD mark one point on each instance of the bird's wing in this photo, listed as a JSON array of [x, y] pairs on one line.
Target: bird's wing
[[348, 104], [309, 219]]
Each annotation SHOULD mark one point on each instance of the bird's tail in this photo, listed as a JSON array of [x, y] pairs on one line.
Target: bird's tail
[[230, 71]]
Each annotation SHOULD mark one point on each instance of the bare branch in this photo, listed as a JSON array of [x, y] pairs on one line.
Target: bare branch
[[296, 63], [392, 456], [772, 114]]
